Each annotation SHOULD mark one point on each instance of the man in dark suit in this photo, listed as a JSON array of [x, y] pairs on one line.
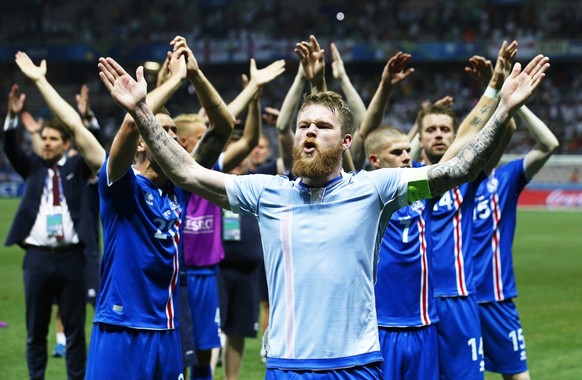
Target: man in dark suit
[[53, 224]]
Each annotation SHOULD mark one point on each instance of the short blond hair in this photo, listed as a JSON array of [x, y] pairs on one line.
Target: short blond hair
[[377, 139], [335, 103], [186, 121]]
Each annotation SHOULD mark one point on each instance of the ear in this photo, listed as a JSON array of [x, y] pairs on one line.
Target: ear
[[374, 161], [141, 146], [347, 141], [419, 137]]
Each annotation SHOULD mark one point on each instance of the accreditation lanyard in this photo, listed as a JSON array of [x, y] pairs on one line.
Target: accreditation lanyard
[[54, 215], [230, 226]]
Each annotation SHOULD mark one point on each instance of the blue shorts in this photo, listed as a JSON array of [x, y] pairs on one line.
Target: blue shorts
[[503, 342], [409, 353], [459, 336], [117, 352], [204, 309], [372, 371], [239, 302]]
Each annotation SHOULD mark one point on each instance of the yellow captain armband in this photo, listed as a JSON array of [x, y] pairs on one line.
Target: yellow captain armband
[[418, 188]]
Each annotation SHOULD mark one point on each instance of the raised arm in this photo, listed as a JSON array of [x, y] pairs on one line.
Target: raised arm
[[353, 99], [178, 165], [285, 120], [124, 145], [257, 80], [546, 142], [236, 152], [221, 120], [465, 166], [16, 100], [312, 60], [394, 72], [84, 109], [481, 69], [33, 127], [355, 156], [92, 152], [19, 159]]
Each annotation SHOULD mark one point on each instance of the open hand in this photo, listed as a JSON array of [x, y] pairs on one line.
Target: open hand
[[126, 91], [28, 68], [521, 84]]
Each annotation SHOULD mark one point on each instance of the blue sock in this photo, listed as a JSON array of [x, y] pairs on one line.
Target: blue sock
[[201, 373]]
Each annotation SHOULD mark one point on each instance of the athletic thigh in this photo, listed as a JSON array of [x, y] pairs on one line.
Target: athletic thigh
[[459, 335], [117, 352], [205, 311], [503, 341], [410, 353]]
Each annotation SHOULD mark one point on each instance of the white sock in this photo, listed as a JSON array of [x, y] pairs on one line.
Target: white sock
[[61, 339]]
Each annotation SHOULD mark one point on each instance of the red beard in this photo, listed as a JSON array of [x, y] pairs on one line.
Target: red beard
[[319, 163]]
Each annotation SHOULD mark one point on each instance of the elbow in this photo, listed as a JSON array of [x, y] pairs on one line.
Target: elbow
[[554, 146]]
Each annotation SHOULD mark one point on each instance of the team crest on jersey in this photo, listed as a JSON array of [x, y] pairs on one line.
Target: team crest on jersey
[[174, 204], [148, 197], [492, 185], [417, 206]]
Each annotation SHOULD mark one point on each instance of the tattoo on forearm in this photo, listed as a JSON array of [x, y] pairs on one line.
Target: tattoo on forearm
[[209, 148], [157, 138], [469, 161], [475, 121]]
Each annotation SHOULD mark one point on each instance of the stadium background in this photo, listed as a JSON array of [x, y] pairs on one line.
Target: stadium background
[[224, 34]]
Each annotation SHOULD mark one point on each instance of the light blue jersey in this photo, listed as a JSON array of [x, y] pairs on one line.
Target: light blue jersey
[[321, 248]]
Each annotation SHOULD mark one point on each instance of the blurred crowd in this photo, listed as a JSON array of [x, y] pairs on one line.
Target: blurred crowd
[[130, 22], [133, 21]]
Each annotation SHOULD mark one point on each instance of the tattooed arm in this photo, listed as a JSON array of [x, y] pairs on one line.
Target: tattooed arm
[[465, 166], [176, 163], [482, 70]]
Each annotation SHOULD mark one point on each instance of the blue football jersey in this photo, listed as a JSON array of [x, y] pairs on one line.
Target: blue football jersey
[[450, 241], [494, 221], [139, 268], [404, 293]]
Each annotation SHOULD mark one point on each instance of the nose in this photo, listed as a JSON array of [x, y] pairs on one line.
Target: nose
[[312, 130]]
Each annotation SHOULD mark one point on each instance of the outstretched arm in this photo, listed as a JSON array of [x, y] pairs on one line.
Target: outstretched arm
[[312, 60], [172, 158], [546, 142], [90, 149], [465, 166]]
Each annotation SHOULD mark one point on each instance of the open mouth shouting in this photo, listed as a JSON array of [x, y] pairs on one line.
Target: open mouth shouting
[[310, 146]]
